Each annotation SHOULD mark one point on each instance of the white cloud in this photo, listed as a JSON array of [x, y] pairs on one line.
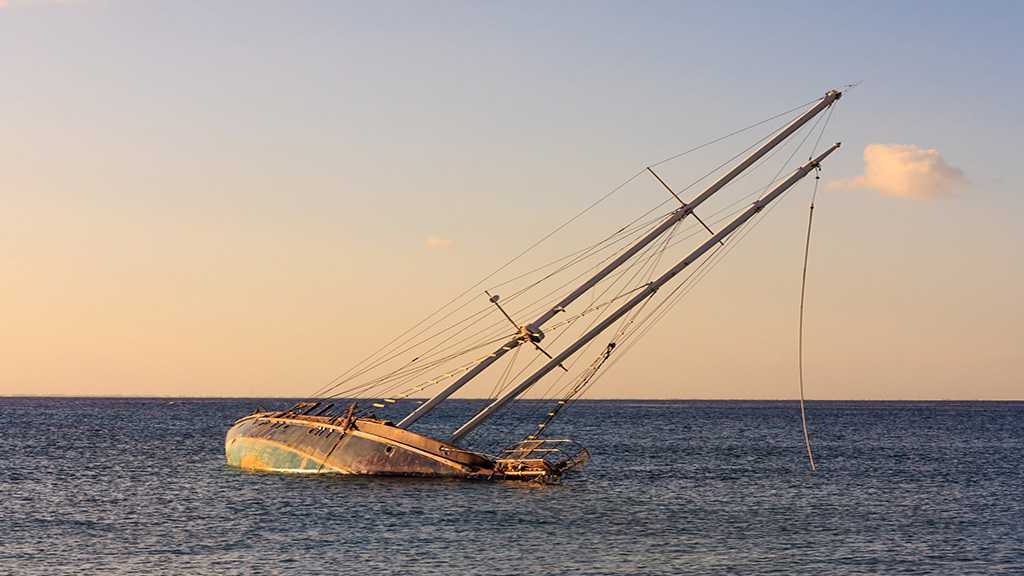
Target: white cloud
[[438, 242], [905, 170]]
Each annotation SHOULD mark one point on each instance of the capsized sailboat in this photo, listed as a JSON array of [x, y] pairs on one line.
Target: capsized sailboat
[[328, 436]]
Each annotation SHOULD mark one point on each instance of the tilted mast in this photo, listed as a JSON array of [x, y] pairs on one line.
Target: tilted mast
[[641, 296], [532, 331]]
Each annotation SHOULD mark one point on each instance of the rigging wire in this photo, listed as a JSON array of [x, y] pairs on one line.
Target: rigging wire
[[478, 317], [398, 341], [725, 214], [760, 163], [581, 384], [645, 271], [500, 384], [637, 266], [693, 183], [742, 199], [553, 340], [721, 165], [645, 263], [419, 365], [626, 233], [731, 134], [501, 322], [587, 379]]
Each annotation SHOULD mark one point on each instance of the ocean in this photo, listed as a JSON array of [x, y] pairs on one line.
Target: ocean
[[139, 486]]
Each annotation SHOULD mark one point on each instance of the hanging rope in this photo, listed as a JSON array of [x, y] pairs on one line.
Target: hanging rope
[[800, 339], [803, 292]]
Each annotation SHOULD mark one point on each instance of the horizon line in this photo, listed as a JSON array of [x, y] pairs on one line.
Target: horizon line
[[600, 399]]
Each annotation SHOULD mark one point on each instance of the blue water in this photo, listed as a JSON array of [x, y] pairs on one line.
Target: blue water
[[139, 486]]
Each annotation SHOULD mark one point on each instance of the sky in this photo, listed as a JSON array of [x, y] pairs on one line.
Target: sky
[[245, 198]]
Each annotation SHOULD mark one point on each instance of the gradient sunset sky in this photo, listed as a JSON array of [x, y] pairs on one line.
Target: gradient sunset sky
[[244, 198]]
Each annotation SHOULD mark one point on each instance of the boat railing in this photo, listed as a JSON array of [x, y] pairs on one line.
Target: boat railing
[[542, 457]]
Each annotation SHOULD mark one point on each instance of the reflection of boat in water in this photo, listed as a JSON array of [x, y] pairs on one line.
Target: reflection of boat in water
[[321, 436]]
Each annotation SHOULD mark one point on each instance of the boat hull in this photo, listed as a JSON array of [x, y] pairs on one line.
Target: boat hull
[[271, 442]]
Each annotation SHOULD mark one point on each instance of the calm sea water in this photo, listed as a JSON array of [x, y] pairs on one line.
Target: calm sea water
[[139, 486]]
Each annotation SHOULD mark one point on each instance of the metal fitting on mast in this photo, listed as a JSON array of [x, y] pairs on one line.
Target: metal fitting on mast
[[528, 333]]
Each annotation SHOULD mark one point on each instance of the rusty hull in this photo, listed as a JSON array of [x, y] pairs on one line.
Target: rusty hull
[[291, 443]]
